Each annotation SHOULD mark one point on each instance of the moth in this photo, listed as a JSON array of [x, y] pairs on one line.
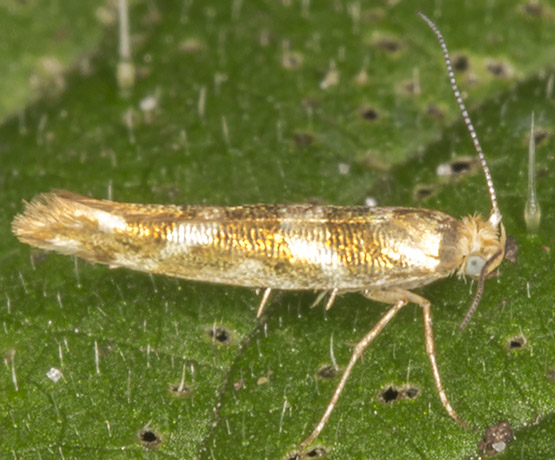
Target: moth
[[383, 253]]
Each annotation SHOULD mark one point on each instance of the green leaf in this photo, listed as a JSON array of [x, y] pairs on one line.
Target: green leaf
[[280, 102], [40, 40]]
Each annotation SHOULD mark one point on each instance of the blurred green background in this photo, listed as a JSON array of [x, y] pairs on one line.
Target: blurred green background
[[332, 102]]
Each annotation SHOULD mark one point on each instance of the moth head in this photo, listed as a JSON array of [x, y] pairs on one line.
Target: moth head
[[482, 245]]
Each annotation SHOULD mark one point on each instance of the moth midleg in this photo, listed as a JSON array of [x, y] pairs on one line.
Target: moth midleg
[[359, 349]]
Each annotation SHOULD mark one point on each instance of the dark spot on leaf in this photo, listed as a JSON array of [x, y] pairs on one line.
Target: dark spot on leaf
[[496, 438], [317, 452], [461, 63], [303, 139], [327, 372], [461, 166], [390, 394], [369, 114], [219, 335], [421, 192], [388, 44], [516, 343], [435, 112], [393, 393], [540, 136], [497, 69], [533, 8], [411, 392], [457, 167], [150, 439]]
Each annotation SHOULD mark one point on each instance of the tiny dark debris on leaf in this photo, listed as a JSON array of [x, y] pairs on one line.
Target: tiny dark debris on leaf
[[461, 63], [411, 392], [497, 69], [219, 335], [388, 44], [457, 167], [327, 372], [317, 452], [496, 438], [423, 191], [540, 136], [369, 114], [393, 393]]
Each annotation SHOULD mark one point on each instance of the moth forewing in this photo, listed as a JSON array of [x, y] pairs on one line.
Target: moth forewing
[[290, 247]]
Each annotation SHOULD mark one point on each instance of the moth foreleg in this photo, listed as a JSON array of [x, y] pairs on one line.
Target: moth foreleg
[[389, 296], [430, 350]]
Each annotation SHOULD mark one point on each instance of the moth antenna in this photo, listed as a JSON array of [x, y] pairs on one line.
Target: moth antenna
[[496, 216]]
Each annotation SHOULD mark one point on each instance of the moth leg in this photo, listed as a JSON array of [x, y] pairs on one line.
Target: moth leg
[[333, 295], [263, 302], [319, 298], [430, 350], [357, 353], [385, 296]]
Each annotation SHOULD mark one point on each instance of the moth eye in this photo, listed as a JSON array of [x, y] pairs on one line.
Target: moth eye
[[474, 265]]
